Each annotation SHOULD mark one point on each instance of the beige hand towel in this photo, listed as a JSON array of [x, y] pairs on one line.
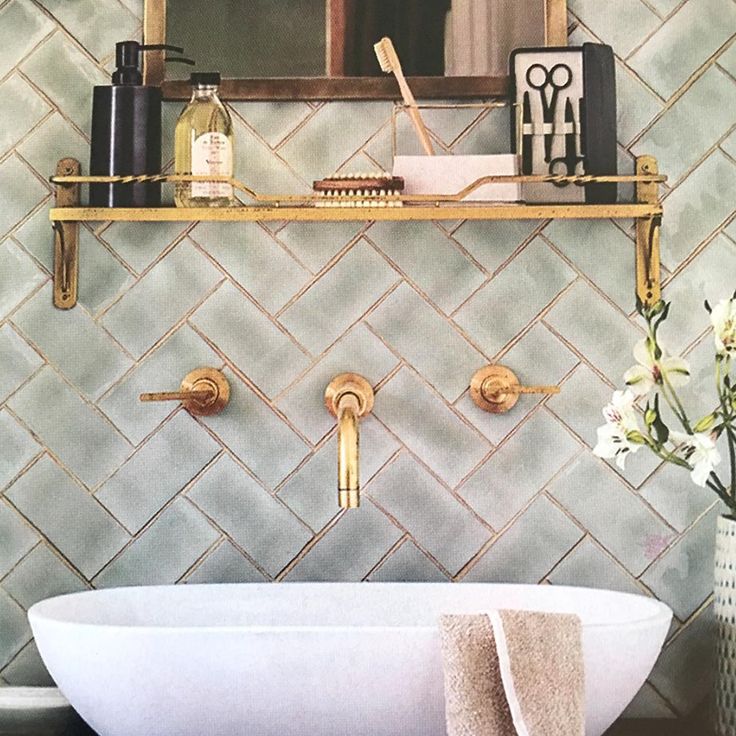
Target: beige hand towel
[[513, 673]]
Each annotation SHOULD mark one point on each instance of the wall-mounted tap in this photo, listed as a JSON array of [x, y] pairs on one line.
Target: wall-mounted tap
[[203, 392], [348, 397], [496, 388]]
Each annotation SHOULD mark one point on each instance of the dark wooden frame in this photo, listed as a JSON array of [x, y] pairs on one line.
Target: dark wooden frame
[[335, 88]]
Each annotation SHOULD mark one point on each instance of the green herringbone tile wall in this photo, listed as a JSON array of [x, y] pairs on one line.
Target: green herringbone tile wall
[[97, 489]]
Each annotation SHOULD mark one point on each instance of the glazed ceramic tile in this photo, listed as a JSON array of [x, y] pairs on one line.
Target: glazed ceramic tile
[[22, 27], [22, 109], [315, 243], [538, 359], [690, 128], [97, 24], [15, 631], [161, 298], [351, 287], [140, 243], [165, 550], [19, 448], [683, 576], [70, 340], [614, 515], [350, 549], [504, 484], [68, 516], [697, 207], [101, 275], [492, 242], [158, 471], [251, 517], [424, 339], [19, 360], [67, 76], [17, 535], [429, 512], [587, 566], [543, 532], [683, 43], [254, 259], [19, 277], [250, 339], [497, 313], [260, 438], [51, 141], [688, 686], [40, 575], [407, 565], [602, 252], [93, 450], [598, 330], [417, 248], [423, 422], [226, 564], [604, 20]]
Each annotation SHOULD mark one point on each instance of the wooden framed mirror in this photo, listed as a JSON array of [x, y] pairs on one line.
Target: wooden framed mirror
[[322, 49]]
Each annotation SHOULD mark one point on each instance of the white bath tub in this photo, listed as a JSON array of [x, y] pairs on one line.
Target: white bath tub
[[308, 659]]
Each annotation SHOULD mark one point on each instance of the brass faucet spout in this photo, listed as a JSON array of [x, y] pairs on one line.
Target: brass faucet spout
[[348, 397], [348, 451]]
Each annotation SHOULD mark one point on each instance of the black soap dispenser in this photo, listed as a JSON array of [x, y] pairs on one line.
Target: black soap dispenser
[[126, 132]]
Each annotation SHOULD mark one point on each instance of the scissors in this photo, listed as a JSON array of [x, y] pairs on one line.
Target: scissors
[[540, 78], [568, 163]]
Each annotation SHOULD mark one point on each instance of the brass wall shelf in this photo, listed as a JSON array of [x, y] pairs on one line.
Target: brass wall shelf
[[646, 210], [329, 214]]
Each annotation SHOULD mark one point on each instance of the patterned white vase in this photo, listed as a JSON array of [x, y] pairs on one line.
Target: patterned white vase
[[725, 610]]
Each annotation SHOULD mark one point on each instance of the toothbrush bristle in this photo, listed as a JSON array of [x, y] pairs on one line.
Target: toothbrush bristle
[[381, 49]]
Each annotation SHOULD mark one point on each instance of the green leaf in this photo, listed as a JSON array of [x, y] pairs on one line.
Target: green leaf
[[661, 430]]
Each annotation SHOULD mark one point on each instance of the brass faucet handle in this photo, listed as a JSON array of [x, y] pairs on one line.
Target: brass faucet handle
[[203, 392], [496, 388]]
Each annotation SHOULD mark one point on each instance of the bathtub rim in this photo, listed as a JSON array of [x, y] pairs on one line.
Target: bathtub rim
[[47, 611]]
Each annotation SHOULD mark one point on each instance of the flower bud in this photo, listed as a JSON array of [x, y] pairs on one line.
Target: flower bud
[[636, 437], [704, 424]]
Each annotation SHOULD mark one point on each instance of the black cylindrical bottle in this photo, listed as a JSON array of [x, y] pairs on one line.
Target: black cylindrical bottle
[[126, 134]]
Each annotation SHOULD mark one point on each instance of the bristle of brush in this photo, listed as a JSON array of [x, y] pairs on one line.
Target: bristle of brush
[[381, 49]]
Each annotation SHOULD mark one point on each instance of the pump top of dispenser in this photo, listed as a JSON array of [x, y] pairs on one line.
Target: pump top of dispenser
[[128, 60]]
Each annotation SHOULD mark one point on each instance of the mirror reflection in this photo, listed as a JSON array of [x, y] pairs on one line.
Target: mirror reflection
[[246, 39]]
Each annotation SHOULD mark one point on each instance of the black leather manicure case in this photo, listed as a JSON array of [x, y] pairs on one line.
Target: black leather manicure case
[[565, 122]]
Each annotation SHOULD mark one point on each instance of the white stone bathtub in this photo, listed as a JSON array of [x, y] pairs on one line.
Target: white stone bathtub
[[308, 659]]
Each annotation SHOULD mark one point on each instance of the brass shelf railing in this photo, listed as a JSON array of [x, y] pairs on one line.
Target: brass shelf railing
[[646, 210]]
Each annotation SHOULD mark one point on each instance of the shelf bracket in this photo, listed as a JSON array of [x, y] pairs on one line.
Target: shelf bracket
[[648, 288], [66, 238]]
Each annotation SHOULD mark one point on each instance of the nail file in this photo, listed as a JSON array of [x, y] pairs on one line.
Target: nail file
[[526, 136]]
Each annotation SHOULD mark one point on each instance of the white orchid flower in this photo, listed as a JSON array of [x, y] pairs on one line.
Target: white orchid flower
[[617, 437], [642, 378], [700, 452], [723, 319]]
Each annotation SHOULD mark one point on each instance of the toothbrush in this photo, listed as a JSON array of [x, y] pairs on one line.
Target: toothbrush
[[389, 61]]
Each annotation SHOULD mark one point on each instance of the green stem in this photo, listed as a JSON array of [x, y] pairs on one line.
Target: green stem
[[721, 494], [731, 437], [727, 417], [675, 404]]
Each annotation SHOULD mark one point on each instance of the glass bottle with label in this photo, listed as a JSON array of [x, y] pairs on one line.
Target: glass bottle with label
[[203, 145]]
